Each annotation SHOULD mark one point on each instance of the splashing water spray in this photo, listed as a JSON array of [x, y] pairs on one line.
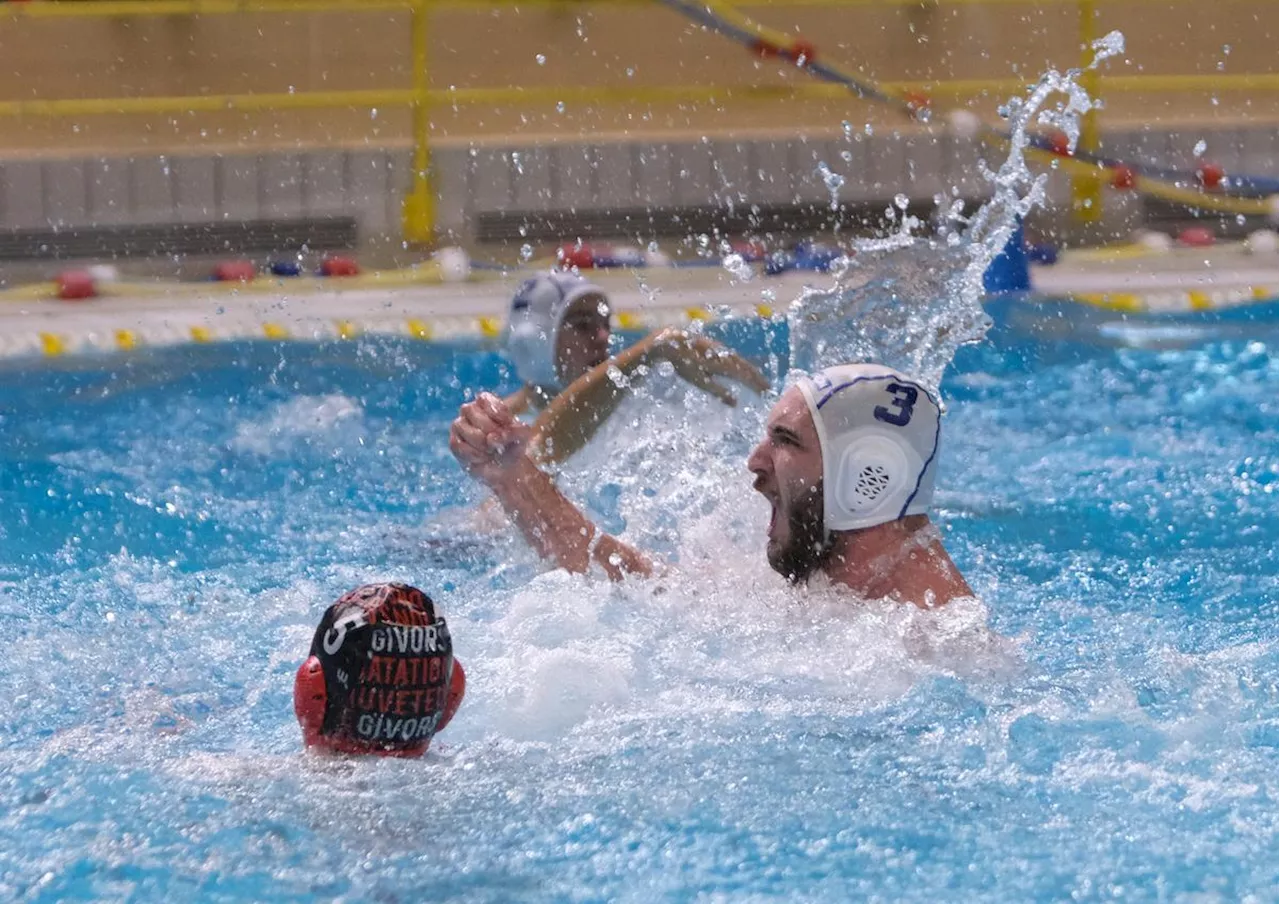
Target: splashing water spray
[[911, 302]]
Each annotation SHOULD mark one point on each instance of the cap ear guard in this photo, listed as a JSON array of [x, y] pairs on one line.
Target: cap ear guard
[[531, 330], [530, 346], [869, 481], [457, 690], [310, 700]]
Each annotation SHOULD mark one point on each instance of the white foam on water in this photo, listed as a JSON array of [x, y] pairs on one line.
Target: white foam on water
[[332, 417], [717, 631]]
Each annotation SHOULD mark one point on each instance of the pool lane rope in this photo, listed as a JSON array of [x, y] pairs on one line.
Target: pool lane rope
[[56, 343], [75, 339], [1050, 149]]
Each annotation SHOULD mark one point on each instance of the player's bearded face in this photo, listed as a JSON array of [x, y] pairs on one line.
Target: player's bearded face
[[800, 547]]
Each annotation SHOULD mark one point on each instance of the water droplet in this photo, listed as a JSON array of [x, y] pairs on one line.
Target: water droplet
[[1200, 148], [526, 252], [559, 106], [834, 182], [541, 59], [737, 267]]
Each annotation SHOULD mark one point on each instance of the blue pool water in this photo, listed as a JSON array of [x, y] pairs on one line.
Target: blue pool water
[[175, 521]]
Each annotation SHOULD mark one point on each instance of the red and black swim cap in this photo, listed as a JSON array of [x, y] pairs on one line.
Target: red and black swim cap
[[381, 677]]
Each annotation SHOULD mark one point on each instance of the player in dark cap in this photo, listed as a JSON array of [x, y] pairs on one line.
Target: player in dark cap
[[381, 677]]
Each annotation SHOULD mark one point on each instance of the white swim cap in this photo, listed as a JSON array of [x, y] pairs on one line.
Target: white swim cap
[[878, 431], [533, 325]]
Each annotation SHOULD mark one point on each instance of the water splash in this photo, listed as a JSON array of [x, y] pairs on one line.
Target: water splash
[[332, 418], [736, 266], [833, 181], [911, 302]]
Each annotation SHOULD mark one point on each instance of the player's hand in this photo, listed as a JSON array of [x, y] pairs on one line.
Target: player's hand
[[486, 438], [702, 362]]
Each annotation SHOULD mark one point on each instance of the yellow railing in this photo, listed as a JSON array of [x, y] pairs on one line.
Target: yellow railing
[[418, 218]]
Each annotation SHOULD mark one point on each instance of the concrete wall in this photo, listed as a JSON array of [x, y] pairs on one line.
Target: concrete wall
[[570, 179], [185, 188]]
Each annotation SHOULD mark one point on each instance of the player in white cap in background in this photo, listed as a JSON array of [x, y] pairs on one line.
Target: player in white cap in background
[[558, 336], [847, 464]]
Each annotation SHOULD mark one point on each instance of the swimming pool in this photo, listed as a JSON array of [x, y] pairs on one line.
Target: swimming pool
[[176, 520]]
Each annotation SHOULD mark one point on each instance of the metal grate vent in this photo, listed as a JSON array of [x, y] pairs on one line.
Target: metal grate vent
[[242, 237], [807, 219]]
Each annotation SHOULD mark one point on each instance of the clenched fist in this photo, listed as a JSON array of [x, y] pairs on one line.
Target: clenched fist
[[487, 439]]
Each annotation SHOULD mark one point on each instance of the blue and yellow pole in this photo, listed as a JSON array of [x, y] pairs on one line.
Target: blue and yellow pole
[[418, 216]]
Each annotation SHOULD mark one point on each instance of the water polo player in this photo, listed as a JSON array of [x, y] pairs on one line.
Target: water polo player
[[847, 464], [558, 334], [381, 677]]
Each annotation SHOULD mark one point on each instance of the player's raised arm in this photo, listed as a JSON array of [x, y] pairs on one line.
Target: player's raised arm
[[491, 445], [575, 415]]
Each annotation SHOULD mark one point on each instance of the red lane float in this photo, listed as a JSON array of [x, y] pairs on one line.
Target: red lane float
[[800, 51], [339, 265], [576, 254], [1123, 177], [750, 250], [918, 103], [599, 257], [234, 271], [1196, 237], [76, 285], [1209, 175], [1058, 143]]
